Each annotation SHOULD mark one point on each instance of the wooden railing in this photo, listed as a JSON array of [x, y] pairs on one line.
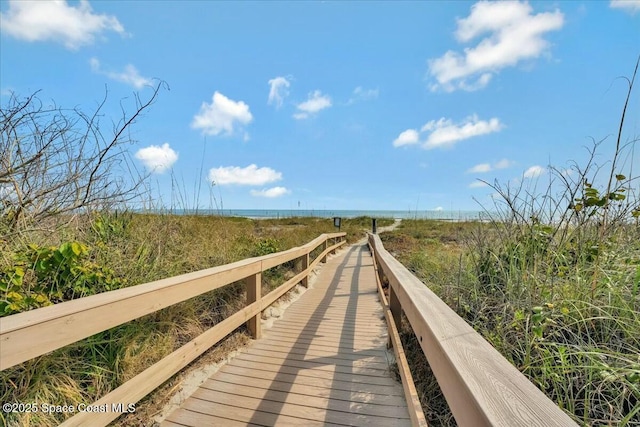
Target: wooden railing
[[481, 387], [27, 335]]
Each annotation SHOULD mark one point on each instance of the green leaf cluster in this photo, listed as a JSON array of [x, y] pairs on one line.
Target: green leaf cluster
[[106, 226], [266, 247], [592, 200], [41, 276]]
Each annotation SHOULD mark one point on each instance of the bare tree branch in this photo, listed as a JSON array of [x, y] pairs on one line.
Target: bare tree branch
[[55, 160]]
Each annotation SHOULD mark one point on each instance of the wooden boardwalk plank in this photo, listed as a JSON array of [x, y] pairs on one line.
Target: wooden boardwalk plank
[[201, 413], [306, 366], [314, 373], [265, 410], [320, 350], [324, 363], [331, 325], [371, 363], [211, 388], [351, 386], [353, 395]]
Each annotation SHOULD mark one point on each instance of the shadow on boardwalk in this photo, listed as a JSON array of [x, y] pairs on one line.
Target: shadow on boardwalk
[[324, 363]]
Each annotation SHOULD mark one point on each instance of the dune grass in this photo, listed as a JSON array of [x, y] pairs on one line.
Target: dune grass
[[567, 319]]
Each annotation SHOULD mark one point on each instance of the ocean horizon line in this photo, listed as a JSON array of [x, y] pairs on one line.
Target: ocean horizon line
[[328, 213]]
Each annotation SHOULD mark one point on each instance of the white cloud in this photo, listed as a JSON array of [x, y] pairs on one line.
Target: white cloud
[[478, 184], [271, 192], [58, 21], [408, 137], [439, 208], [487, 167], [129, 75], [221, 116], [360, 94], [534, 171], [157, 159], [279, 90], [512, 33], [630, 6], [250, 175], [503, 164], [481, 168], [315, 102], [445, 133]]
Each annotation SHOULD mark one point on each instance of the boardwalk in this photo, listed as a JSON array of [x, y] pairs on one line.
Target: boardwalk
[[323, 363]]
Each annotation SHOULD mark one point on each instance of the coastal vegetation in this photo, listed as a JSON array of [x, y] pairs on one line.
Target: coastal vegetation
[[107, 251], [577, 340], [551, 280]]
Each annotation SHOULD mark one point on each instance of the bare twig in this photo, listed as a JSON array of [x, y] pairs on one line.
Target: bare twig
[[55, 160]]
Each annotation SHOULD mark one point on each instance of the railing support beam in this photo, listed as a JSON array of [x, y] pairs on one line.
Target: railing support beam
[[481, 387], [305, 265], [396, 309], [254, 290], [324, 248]]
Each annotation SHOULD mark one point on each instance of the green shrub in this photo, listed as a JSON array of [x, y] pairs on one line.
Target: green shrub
[[41, 276], [266, 247]]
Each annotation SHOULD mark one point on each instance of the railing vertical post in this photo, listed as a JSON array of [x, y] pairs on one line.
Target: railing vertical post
[[324, 248], [395, 307], [305, 265], [374, 228], [379, 272], [254, 288]]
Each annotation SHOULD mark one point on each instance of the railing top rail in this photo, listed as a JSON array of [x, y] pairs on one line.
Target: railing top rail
[[480, 385], [32, 333], [29, 318]]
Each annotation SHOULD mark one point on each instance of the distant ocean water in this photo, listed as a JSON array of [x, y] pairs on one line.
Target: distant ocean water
[[290, 213]]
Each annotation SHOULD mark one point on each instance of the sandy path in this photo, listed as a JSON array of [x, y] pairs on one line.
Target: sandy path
[[391, 227]]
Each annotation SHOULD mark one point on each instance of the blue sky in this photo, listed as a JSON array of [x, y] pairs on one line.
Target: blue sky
[[337, 105]]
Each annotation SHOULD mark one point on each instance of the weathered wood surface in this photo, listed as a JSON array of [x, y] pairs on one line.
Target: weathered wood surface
[[324, 363]]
